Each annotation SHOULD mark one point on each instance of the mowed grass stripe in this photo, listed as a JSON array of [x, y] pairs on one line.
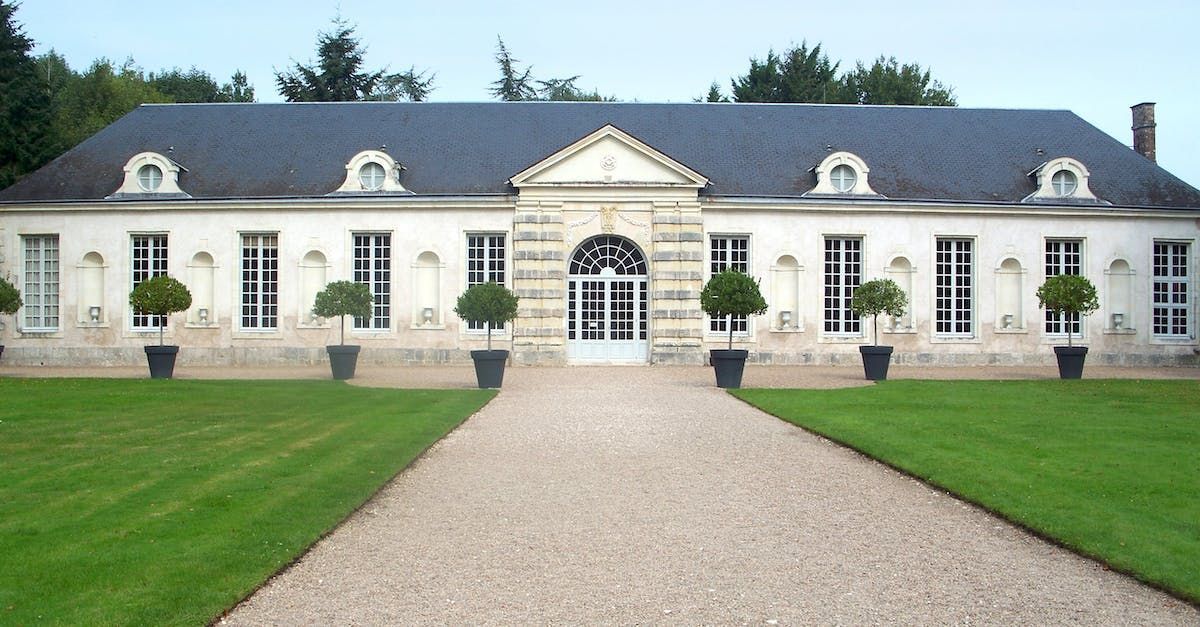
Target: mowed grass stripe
[[1108, 468], [167, 501]]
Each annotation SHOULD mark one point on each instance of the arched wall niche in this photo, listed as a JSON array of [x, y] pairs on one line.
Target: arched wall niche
[[427, 312], [314, 268], [202, 270], [92, 310], [1119, 297], [901, 270], [785, 294], [1010, 307]]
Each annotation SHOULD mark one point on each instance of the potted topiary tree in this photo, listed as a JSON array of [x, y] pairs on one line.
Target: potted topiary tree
[[490, 304], [871, 299], [1069, 295], [10, 301], [727, 294], [160, 296], [338, 300]]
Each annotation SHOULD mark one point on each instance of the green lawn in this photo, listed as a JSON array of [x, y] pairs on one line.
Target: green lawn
[[1108, 468], [151, 502]]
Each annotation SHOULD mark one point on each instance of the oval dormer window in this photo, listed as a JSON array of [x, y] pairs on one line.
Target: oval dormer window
[[843, 178], [371, 176], [149, 178], [1063, 183]]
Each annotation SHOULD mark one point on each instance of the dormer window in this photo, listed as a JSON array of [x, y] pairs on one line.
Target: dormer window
[[843, 178], [372, 171], [371, 176], [842, 173], [1061, 180], [151, 175], [149, 178], [1063, 183]]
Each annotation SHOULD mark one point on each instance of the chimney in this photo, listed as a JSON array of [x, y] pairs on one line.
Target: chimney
[[1143, 130]]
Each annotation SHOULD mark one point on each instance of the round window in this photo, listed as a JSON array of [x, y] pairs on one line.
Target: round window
[[843, 178], [1063, 183], [149, 177], [371, 176]]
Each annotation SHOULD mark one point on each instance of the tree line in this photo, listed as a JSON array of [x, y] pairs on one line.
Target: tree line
[[49, 107]]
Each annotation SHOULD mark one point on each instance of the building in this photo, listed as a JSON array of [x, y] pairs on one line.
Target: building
[[606, 219]]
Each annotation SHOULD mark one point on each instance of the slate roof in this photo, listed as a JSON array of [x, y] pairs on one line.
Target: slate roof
[[300, 150]]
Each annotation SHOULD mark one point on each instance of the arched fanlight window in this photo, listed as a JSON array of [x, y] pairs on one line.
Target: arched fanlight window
[[608, 252]]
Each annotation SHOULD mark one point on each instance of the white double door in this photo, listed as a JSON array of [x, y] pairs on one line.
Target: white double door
[[607, 318]]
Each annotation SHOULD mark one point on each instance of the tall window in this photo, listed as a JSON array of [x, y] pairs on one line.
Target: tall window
[[955, 293], [1063, 257], [260, 282], [149, 261], [485, 262], [843, 274], [373, 268], [41, 282], [1171, 290], [729, 252]]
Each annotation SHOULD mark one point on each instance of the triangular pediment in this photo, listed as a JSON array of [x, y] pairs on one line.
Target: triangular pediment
[[608, 157]]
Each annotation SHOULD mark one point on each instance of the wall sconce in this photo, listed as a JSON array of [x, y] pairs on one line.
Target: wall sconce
[[427, 315], [1118, 320], [203, 313], [1007, 320], [313, 318], [94, 313], [785, 319]]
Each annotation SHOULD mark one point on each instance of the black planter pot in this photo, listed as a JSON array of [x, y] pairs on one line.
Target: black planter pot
[[343, 359], [1070, 361], [875, 361], [1, 350], [489, 367], [728, 365], [162, 361]]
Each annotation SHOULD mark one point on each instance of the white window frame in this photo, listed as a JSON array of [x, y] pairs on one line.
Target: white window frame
[[41, 312], [729, 251], [158, 250], [840, 276], [1171, 282], [949, 313], [1057, 259], [373, 262], [487, 260], [259, 282]]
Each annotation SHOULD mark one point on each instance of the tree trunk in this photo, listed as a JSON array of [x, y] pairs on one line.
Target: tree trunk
[[160, 331], [489, 328], [342, 320], [730, 323]]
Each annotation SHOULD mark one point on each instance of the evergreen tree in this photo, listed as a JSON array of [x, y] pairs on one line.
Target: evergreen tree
[[761, 84], [807, 75], [407, 85], [714, 94], [888, 82], [338, 75], [513, 84], [25, 114]]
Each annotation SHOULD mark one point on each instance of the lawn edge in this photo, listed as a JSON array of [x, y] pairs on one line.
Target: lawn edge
[[337, 526], [1175, 594]]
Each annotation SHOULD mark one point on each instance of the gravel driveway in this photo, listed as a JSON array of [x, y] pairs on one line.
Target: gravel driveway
[[645, 495]]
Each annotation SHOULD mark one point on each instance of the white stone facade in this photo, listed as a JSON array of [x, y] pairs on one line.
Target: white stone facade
[[606, 184]]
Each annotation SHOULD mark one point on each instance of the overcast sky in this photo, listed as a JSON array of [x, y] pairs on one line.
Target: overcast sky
[[1094, 58]]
